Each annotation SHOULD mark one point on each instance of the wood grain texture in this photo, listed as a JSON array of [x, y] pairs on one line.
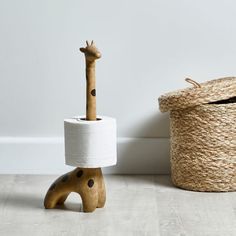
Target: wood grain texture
[[137, 205], [87, 182], [91, 54]]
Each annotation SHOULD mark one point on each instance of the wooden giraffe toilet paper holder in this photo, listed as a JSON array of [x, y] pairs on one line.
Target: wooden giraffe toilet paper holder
[[87, 179]]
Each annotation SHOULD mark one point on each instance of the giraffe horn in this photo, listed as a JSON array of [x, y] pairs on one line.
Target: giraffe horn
[[87, 42], [92, 42]]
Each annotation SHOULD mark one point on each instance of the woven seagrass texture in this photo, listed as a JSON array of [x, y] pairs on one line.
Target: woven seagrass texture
[[203, 93], [203, 147]]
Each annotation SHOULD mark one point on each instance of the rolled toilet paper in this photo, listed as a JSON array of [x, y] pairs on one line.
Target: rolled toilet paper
[[90, 144]]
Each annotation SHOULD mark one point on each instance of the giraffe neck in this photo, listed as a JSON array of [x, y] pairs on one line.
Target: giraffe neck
[[90, 91]]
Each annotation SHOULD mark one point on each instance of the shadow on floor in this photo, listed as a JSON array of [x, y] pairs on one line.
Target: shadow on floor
[[71, 206], [30, 201], [164, 180]]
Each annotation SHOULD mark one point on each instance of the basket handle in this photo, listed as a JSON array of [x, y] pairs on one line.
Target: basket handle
[[194, 83]]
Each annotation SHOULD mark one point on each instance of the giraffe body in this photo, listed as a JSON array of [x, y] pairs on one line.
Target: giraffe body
[[87, 182]]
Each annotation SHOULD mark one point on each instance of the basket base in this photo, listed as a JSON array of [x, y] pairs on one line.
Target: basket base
[[203, 187]]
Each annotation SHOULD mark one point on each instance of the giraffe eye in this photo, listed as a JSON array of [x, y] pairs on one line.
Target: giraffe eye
[[91, 54]]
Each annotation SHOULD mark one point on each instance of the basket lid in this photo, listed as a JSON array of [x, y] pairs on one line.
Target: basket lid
[[199, 93]]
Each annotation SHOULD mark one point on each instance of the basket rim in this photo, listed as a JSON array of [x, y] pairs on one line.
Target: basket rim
[[201, 93]]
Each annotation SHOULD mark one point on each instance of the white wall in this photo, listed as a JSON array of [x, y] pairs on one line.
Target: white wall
[[148, 48]]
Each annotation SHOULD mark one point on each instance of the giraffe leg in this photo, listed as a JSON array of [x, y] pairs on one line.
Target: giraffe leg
[[53, 198], [101, 190], [62, 199], [101, 199], [88, 189], [58, 192], [90, 201]]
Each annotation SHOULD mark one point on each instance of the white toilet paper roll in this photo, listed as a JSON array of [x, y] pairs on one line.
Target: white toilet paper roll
[[90, 144]]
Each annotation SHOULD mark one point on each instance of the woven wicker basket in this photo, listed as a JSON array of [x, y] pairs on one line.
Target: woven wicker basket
[[203, 135]]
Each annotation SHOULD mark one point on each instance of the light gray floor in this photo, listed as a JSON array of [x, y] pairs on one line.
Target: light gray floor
[[136, 205]]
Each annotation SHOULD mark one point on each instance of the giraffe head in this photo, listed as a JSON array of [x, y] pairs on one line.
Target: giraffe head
[[91, 52]]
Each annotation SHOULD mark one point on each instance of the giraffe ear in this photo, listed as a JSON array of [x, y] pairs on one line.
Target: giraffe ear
[[82, 50]]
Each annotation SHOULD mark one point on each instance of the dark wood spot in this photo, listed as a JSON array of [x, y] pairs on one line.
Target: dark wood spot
[[53, 186], [79, 173], [65, 178], [86, 106], [90, 183], [93, 92]]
